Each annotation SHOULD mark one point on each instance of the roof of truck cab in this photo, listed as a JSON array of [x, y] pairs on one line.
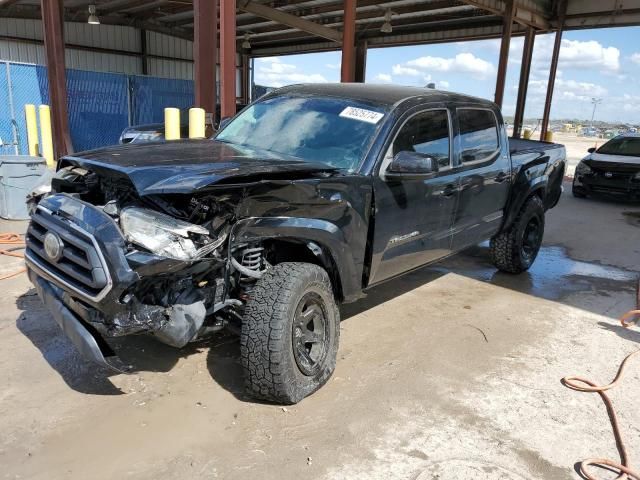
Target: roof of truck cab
[[377, 94]]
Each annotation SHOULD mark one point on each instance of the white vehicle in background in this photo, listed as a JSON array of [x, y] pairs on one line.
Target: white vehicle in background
[[612, 169]]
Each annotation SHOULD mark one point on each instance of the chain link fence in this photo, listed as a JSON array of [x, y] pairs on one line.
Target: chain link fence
[[100, 105], [150, 95], [9, 137]]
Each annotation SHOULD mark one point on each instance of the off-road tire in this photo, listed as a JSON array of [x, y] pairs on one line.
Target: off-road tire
[[271, 368], [507, 247]]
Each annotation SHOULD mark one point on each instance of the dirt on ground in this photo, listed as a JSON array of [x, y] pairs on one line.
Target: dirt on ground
[[450, 372], [576, 147]]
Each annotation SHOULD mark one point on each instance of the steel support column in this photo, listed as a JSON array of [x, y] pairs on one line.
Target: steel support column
[[53, 26], [509, 10], [143, 52], [347, 73], [205, 52], [245, 78], [525, 69], [562, 10], [361, 61], [227, 58]]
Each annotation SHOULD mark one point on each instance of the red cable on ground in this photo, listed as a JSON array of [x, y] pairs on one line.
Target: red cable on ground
[[584, 385], [18, 244]]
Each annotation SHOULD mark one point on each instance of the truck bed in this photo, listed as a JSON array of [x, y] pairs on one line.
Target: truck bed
[[520, 145]]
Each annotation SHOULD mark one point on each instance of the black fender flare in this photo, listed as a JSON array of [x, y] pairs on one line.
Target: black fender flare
[[323, 233], [535, 186]]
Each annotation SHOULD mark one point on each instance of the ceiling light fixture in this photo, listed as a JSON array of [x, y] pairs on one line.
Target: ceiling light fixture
[[386, 26], [246, 44], [93, 18]]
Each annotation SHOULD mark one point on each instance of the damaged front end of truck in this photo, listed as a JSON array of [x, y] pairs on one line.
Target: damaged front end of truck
[[112, 254]]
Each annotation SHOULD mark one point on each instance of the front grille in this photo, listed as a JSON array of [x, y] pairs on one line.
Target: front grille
[[609, 189], [81, 266], [613, 175]]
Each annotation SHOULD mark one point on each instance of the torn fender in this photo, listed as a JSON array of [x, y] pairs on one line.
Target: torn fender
[[322, 232]]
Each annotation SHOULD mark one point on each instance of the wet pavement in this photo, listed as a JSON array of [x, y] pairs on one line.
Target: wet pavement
[[449, 372], [554, 276]]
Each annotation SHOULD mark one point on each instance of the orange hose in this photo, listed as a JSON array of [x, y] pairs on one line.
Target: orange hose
[[627, 316], [17, 241], [11, 239], [584, 385]]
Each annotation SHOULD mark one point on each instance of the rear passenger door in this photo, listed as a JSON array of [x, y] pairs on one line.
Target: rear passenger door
[[483, 162], [412, 224]]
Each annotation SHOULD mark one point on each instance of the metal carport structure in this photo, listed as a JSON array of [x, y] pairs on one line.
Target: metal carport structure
[[280, 27]]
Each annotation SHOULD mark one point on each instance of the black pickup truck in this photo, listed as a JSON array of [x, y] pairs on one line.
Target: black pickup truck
[[306, 199]]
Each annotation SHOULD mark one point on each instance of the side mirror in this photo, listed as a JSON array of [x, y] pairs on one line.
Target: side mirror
[[591, 150], [224, 122], [411, 165]]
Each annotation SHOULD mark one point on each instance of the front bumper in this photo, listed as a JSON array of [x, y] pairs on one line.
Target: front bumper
[[616, 185], [86, 340], [96, 290]]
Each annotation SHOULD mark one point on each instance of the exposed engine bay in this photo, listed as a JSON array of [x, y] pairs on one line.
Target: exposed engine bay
[[189, 281]]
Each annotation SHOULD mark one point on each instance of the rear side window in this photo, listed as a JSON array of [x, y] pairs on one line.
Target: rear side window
[[426, 133], [478, 134]]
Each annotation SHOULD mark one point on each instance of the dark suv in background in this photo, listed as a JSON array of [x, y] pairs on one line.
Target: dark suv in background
[[612, 169]]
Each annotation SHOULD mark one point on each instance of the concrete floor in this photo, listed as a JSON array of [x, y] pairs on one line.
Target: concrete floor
[[451, 372]]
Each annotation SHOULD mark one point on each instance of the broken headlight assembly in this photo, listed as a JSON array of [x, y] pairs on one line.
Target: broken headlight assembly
[[166, 236]]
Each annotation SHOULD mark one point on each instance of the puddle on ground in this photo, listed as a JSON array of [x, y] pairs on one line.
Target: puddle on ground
[[554, 275]]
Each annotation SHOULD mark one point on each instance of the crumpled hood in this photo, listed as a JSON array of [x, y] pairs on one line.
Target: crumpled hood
[[190, 165]]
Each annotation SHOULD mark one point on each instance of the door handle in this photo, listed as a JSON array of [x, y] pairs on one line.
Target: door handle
[[501, 177], [449, 190]]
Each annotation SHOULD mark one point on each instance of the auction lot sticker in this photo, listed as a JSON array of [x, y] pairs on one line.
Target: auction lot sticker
[[361, 114]]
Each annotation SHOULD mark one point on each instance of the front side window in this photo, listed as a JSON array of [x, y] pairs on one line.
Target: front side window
[[426, 133], [478, 134], [334, 131]]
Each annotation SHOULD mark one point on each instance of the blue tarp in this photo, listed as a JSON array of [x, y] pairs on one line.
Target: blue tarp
[[100, 104], [150, 96]]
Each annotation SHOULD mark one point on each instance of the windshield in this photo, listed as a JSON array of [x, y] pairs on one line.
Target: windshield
[[333, 131], [622, 146]]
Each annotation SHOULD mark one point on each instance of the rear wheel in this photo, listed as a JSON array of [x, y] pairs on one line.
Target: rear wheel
[[290, 332], [515, 249]]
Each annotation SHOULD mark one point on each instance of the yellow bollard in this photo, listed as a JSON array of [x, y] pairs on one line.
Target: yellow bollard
[[47, 138], [548, 137], [527, 134], [32, 129], [196, 123], [171, 124]]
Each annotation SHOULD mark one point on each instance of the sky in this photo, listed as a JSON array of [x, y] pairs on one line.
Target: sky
[[602, 63]]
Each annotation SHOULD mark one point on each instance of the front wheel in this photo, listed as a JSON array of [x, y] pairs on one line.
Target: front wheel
[[290, 333], [515, 249]]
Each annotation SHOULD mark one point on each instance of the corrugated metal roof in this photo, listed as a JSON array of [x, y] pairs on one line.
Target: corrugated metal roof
[[413, 21]]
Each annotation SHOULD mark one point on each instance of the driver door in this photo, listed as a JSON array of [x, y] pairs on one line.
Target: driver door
[[413, 215]]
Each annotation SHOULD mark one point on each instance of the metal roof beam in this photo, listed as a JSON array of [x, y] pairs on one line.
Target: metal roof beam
[[177, 17], [376, 11], [115, 5], [522, 15], [7, 3], [289, 20], [144, 7]]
